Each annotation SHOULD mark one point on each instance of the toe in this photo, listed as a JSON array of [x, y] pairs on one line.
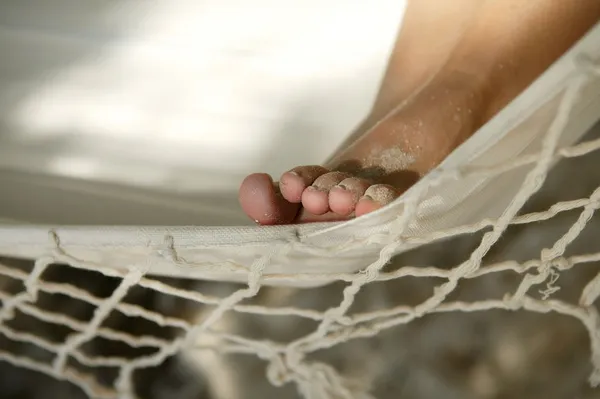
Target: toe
[[263, 203], [316, 197], [376, 196], [344, 197], [293, 183]]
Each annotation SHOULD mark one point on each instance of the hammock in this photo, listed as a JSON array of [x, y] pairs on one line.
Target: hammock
[[482, 184]]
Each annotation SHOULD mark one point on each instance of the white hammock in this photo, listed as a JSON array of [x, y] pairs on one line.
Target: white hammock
[[485, 182], [476, 182]]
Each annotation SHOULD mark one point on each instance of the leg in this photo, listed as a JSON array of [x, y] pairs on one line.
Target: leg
[[503, 46], [430, 31]]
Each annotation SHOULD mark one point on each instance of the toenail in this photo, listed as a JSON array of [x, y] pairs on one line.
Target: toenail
[[341, 187], [285, 181], [367, 197]]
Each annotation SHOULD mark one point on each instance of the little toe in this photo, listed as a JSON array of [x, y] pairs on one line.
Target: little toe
[[316, 197], [376, 196], [344, 197], [295, 181], [262, 202]]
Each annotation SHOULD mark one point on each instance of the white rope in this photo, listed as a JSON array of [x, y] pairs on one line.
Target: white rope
[[291, 361]]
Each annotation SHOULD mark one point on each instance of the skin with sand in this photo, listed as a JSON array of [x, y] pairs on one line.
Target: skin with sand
[[454, 66]]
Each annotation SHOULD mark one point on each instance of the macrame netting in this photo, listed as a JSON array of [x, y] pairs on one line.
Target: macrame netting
[[481, 189]]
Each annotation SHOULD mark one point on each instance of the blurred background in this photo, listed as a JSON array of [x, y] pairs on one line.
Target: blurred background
[[170, 103]]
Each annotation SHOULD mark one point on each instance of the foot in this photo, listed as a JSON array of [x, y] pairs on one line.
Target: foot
[[375, 169], [311, 194], [499, 45]]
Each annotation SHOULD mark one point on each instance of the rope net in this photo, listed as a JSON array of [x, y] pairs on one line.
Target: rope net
[[497, 301]]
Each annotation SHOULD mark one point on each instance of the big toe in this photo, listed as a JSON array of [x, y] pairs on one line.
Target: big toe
[[262, 202]]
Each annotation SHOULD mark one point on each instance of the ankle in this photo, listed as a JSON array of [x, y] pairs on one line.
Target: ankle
[[427, 127]]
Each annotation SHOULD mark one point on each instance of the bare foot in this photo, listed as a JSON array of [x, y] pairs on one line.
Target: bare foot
[[375, 169], [311, 194], [502, 47]]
